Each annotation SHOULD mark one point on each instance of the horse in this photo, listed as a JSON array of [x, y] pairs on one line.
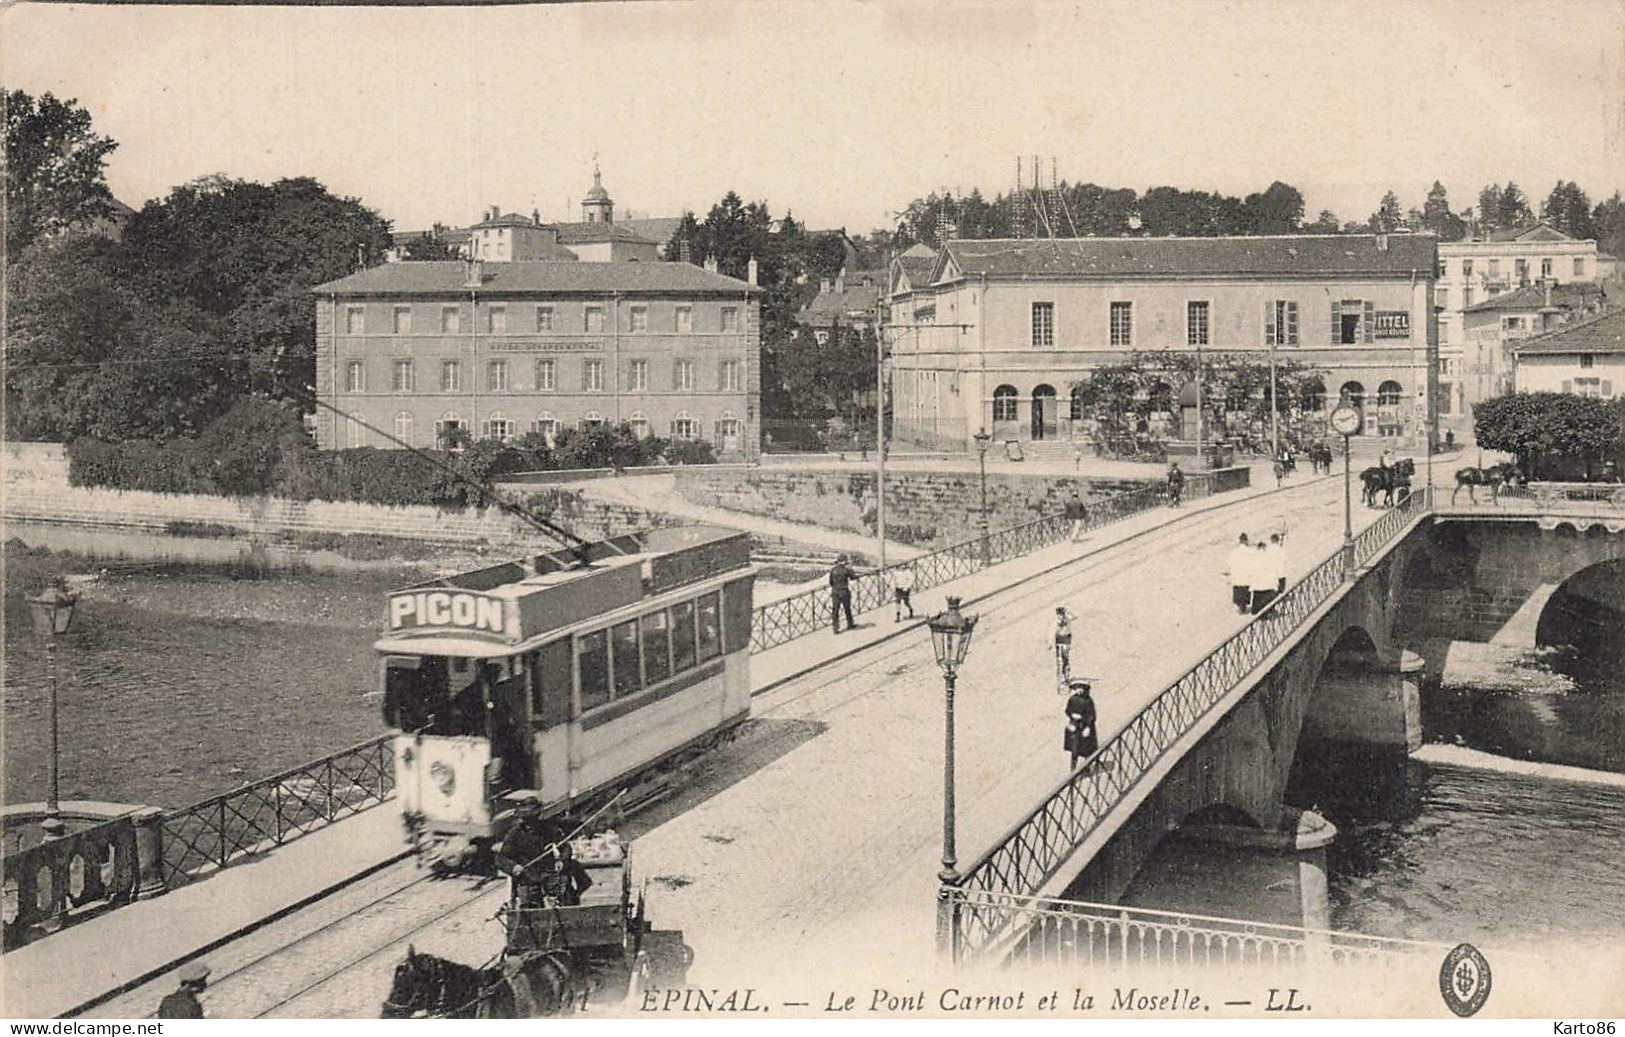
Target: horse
[[1493, 477], [1387, 481], [532, 986]]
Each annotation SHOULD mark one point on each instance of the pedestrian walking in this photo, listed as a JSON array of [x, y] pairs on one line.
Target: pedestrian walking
[[1176, 484], [183, 1002], [1239, 568], [1076, 514], [840, 589], [1061, 642], [1081, 740], [1278, 560], [1261, 577], [902, 586]]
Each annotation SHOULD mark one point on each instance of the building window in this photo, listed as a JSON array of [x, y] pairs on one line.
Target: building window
[[496, 376], [1466, 268], [1512, 323], [545, 425], [544, 318], [1579, 266], [591, 419], [685, 320], [640, 319], [353, 432], [403, 427], [1546, 267], [497, 426], [639, 424], [1438, 269], [446, 429], [728, 429], [355, 376], [728, 379], [1587, 387], [1466, 296], [592, 319], [684, 427], [403, 379], [1389, 394], [1522, 267], [1122, 324], [451, 320], [355, 320], [638, 376], [403, 320], [592, 375], [496, 320], [1352, 319], [451, 376], [1588, 360], [730, 318], [547, 375], [1043, 324], [1495, 269], [1196, 324], [682, 375], [1004, 403], [1281, 323], [1441, 298]]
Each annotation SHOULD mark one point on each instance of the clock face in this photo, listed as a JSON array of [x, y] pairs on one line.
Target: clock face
[[1345, 420]]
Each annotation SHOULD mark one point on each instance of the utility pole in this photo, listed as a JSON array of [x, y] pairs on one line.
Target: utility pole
[[880, 417], [1275, 408]]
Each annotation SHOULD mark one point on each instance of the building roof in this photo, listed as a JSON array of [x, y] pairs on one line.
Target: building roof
[[917, 261], [507, 219], [1342, 254], [597, 233], [1533, 297], [658, 229], [1604, 333], [1535, 232], [854, 300], [534, 277]]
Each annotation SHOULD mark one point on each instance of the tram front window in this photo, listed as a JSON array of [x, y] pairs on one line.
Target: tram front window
[[433, 696]]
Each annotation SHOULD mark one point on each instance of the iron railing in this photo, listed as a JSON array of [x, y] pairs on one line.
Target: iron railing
[[1031, 852], [211, 834], [1048, 932], [1559, 498], [76, 874], [782, 621]]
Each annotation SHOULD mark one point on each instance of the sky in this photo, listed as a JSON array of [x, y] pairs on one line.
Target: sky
[[840, 111]]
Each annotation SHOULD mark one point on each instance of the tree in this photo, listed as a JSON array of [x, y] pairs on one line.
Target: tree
[[1325, 223], [1278, 210], [54, 175], [427, 247], [1569, 210], [1437, 217], [1388, 216], [1609, 220], [1543, 428], [1503, 208]]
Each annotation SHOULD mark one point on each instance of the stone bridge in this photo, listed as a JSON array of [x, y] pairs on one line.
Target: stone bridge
[[1340, 674]]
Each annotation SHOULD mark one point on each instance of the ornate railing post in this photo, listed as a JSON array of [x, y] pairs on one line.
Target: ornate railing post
[[950, 921], [149, 853]]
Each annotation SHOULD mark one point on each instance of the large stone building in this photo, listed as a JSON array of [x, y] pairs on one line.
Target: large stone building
[[1491, 328], [998, 333], [500, 349], [1469, 272]]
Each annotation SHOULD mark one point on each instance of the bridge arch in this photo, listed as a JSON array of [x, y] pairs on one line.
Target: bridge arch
[[1587, 609]]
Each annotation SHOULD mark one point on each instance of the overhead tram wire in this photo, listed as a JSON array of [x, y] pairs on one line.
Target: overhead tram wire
[[577, 544]]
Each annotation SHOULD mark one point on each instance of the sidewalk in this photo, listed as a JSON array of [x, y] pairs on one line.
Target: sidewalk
[[54, 975]]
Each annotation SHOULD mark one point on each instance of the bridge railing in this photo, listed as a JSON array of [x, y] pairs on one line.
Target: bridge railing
[[1031, 852], [782, 621], [212, 833], [1048, 932], [75, 875]]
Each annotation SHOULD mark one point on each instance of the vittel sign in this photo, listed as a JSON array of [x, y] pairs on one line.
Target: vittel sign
[[460, 609]]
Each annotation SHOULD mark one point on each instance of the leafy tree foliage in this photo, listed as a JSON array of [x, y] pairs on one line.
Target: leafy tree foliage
[[1542, 429], [1437, 217], [427, 247], [1278, 210], [1388, 217], [1609, 220], [54, 175], [1569, 210], [1325, 223]]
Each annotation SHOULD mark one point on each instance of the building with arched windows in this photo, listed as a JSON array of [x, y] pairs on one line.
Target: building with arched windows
[[1002, 335], [428, 352]]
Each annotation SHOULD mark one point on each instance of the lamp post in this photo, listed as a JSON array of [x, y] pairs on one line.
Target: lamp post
[[983, 441], [950, 639], [52, 612]]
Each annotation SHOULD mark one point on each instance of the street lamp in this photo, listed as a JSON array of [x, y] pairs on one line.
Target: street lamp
[[983, 441], [950, 639], [1345, 420], [52, 612]]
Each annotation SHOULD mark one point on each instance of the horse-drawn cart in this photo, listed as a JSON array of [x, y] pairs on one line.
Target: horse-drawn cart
[[557, 958]]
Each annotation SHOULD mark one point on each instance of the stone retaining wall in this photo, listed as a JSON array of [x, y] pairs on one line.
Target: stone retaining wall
[[926, 508]]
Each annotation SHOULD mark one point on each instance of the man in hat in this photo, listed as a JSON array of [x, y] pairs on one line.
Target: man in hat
[[526, 855], [183, 1002], [565, 879], [840, 589], [1081, 738]]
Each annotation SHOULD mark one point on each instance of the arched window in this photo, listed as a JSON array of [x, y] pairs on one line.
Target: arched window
[[1161, 396], [546, 424], [1004, 403], [497, 426], [403, 427], [1353, 392], [1079, 402], [1389, 393], [639, 423], [683, 426], [728, 429], [448, 424], [592, 419], [1312, 396], [353, 433]]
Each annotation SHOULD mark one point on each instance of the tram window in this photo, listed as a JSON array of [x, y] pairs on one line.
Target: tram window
[[551, 683], [593, 655], [656, 647], [682, 636], [623, 643], [710, 616]]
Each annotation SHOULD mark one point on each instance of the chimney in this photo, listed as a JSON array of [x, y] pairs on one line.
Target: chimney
[[711, 263], [473, 273], [750, 271], [840, 280], [496, 210], [1548, 292], [536, 217]]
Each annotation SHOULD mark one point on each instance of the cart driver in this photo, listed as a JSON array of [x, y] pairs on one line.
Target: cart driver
[[538, 859], [565, 879]]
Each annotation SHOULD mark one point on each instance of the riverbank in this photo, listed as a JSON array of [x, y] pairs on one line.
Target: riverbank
[[1462, 756]]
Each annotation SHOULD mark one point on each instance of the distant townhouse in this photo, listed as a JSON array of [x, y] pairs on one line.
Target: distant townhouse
[[849, 300], [999, 334], [1586, 358], [1492, 327], [499, 349]]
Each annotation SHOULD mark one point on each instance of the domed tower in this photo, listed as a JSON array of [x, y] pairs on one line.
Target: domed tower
[[597, 207]]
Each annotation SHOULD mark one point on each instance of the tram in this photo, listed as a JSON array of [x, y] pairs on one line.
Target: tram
[[571, 673]]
